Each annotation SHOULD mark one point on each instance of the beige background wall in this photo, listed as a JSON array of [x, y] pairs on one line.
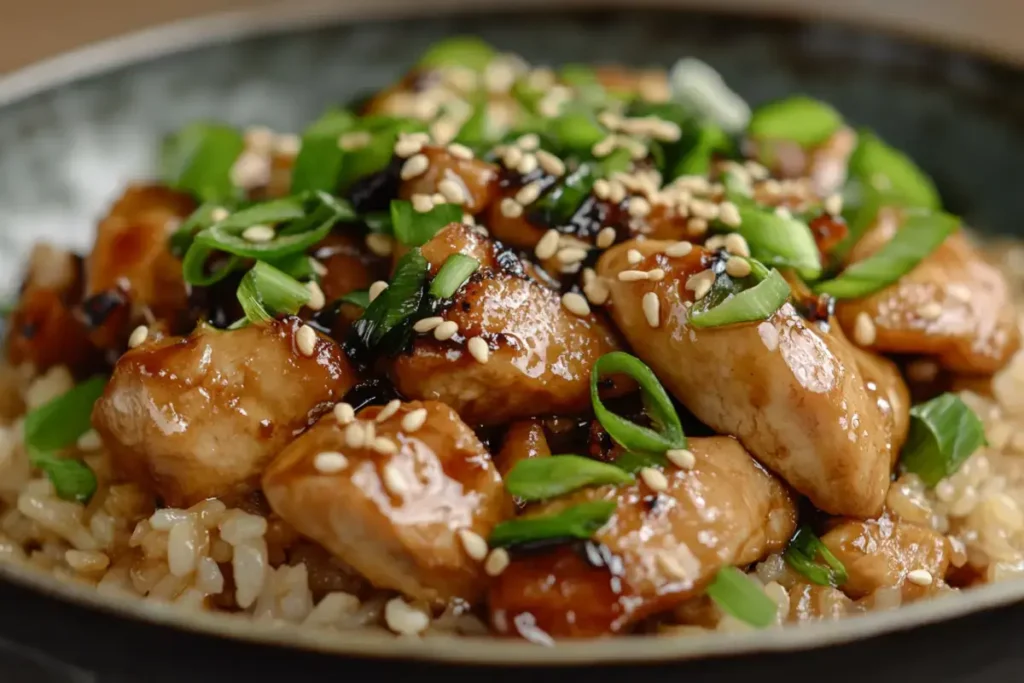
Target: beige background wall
[[31, 30]]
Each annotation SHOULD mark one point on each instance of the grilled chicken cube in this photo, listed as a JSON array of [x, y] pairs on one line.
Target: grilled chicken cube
[[395, 498], [201, 416], [538, 353], [658, 550], [795, 396], [954, 306]]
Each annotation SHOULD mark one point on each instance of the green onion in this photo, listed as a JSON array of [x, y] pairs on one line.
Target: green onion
[[200, 219], [921, 233], [543, 478], [891, 172], [453, 273], [557, 206], [576, 130], [802, 554], [475, 132], [657, 405], [944, 432], [465, 51], [72, 479], [318, 165], [709, 141], [198, 159], [265, 292], [193, 266], [749, 305], [375, 156], [804, 120], [395, 304], [359, 298], [739, 596], [298, 266], [619, 161], [583, 79], [700, 88], [781, 242], [414, 229], [379, 221], [579, 521]]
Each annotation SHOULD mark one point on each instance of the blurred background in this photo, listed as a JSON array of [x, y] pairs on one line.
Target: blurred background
[[33, 30]]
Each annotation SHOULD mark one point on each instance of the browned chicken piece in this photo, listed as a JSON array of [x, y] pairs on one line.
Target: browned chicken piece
[[200, 416], [474, 181], [650, 84], [795, 396], [954, 306], [349, 267], [811, 602], [658, 550], [43, 329], [885, 553], [524, 439], [825, 164], [131, 258], [398, 508], [539, 354]]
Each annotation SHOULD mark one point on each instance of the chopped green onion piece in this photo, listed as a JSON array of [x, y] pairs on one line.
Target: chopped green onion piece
[[921, 233], [802, 554], [619, 161], [452, 274], [60, 422], [298, 266], [657, 406], [583, 79], [739, 596], [543, 478], [758, 302], [193, 266], [359, 298], [804, 120], [395, 304], [891, 172], [700, 88], [379, 221], [375, 156], [265, 292], [576, 130], [710, 139], [198, 159], [466, 51], [318, 165], [414, 229], [475, 132], [944, 432], [557, 206], [778, 241], [200, 219], [579, 521], [72, 479]]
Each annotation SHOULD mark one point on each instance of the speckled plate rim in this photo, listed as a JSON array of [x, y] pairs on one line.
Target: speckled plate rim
[[194, 33]]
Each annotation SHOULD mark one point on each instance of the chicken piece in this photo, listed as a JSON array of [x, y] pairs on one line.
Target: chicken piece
[[524, 439], [200, 416], [881, 554], [795, 396], [538, 353], [650, 84], [658, 550], [811, 602], [475, 180], [954, 306], [398, 509], [349, 267], [824, 165]]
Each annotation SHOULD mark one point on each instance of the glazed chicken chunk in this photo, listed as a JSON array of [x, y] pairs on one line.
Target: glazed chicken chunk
[[200, 416], [795, 396], [395, 493], [658, 549]]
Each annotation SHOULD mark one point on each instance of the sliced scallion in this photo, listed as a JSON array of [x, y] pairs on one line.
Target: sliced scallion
[[318, 165], [701, 88], [804, 120], [543, 478], [739, 596], [576, 130], [452, 274], [359, 298], [475, 132], [200, 219], [395, 304], [758, 302], [944, 432], [414, 229], [891, 172], [465, 51], [379, 151], [198, 159], [72, 479], [265, 292], [802, 555], [780, 241], [577, 522], [696, 160]]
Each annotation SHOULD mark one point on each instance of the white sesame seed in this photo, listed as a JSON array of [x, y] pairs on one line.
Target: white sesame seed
[[425, 325], [388, 410], [597, 292], [413, 420], [384, 445], [756, 170], [550, 163], [355, 435], [547, 246], [330, 462], [958, 291], [452, 191], [736, 244], [478, 349], [497, 562], [512, 157], [737, 266], [438, 198], [834, 204], [606, 237], [604, 147], [510, 208], [671, 565], [407, 147], [571, 255], [444, 130], [930, 311], [529, 141], [446, 330], [305, 340], [652, 309], [422, 203], [528, 164], [634, 257], [316, 296], [414, 166], [370, 433], [602, 189], [616, 192], [704, 209], [681, 458], [700, 284], [632, 276], [656, 274], [404, 619], [379, 245], [219, 214], [679, 249], [90, 441], [697, 226], [529, 193], [864, 332], [474, 544], [654, 478], [344, 413], [920, 577], [258, 234], [638, 207], [377, 288], [394, 482], [715, 242], [783, 212], [318, 268], [575, 304], [729, 214], [138, 336], [460, 151]]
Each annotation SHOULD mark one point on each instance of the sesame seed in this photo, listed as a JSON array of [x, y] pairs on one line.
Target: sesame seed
[[379, 245], [316, 296], [344, 413], [394, 482], [219, 214], [671, 565], [529, 141], [444, 130], [617, 192], [528, 164], [700, 284], [609, 119], [446, 330], [602, 189], [389, 410], [528, 194], [547, 246], [681, 458], [497, 562], [474, 544], [930, 310], [355, 435], [425, 325], [632, 276], [422, 203], [729, 214], [697, 226], [370, 432], [404, 619], [405, 147], [305, 340], [571, 255], [679, 249], [414, 166], [460, 151], [478, 349], [669, 131], [606, 237], [597, 292], [414, 420], [550, 163], [737, 266], [703, 209], [330, 462], [654, 478], [715, 242], [656, 274], [359, 139], [864, 332], [736, 244], [638, 207], [138, 336], [318, 268], [958, 291], [258, 234], [510, 208], [469, 220], [634, 257], [90, 441], [756, 170], [438, 198], [652, 309], [576, 304], [834, 204], [783, 212], [377, 288], [287, 144], [452, 191], [384, 445], [512, 157], [920, 577]]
